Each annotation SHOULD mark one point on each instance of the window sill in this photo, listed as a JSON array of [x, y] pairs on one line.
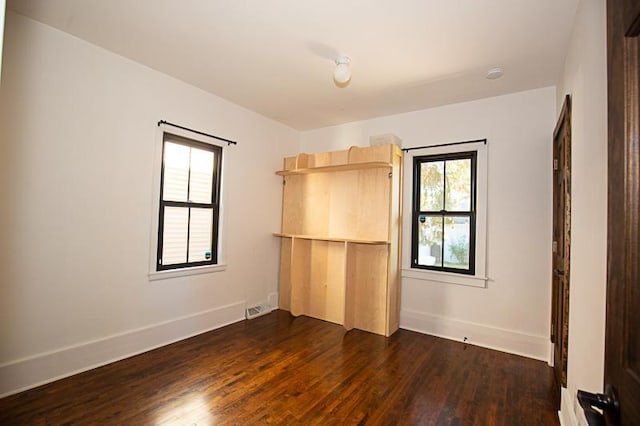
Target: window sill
[[175, 273], [445, 277]]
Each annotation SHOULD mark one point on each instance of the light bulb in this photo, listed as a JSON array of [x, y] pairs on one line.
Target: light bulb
[[342, 73]]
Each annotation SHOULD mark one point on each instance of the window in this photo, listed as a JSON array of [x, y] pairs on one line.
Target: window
[[444, 212], [189, 203]]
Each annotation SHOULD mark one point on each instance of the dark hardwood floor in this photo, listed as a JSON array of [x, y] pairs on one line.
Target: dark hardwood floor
[[277, 369]]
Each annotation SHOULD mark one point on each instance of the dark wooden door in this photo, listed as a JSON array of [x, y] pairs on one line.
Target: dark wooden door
[[561, 242], [622, 346]]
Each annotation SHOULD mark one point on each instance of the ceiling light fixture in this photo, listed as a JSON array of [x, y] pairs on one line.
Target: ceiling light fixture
[[495, 73], [342, 73]]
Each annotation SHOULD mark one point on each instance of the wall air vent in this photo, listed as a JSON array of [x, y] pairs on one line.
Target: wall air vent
[[258, 310]]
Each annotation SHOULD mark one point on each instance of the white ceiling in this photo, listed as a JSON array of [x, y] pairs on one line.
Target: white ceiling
[[275, 57]]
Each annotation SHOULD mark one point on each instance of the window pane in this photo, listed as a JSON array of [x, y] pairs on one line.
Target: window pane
[[201, 176], [200, 234], [458, 185], [430, 240], [456, 242], [176, 172], [432, 186], [174, 236]]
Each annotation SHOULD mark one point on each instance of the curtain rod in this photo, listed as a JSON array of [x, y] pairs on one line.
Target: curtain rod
[[484, 141], [229, 142]]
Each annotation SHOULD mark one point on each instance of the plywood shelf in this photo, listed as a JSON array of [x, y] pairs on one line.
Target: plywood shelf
[[336, 168], [340, 237], [329, 238]]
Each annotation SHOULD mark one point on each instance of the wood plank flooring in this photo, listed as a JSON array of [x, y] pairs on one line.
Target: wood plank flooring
[[278, 369]]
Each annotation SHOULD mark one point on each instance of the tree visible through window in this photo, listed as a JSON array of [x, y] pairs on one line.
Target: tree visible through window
[[189, 203], [444, 212]]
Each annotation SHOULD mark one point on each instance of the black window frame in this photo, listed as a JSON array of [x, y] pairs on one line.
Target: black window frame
[[214, 205], [471, 214]]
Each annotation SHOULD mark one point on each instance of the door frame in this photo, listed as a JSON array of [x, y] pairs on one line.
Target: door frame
[[560, 273]]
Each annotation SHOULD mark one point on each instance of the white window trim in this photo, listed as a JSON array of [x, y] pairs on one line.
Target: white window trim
[[479, 279], [153, 274], [183, 272]]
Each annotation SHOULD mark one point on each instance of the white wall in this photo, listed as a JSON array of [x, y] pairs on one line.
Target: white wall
[[76, 168], [513, 312], [585, 79]]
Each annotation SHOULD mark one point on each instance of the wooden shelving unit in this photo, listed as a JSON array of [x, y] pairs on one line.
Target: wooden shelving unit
[[340, 237]]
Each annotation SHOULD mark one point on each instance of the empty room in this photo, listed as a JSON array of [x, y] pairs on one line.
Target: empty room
[[302, 212]]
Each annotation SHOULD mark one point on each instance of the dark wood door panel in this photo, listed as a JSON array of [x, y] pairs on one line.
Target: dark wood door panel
[[622, 346]]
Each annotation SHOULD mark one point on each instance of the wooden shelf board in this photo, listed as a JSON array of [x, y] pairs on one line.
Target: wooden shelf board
[[328, 238], [336, 168]]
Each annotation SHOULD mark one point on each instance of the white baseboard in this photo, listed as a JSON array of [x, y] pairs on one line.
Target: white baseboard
[[37, 370], [272, 299], [567, 415], [531, 346]]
